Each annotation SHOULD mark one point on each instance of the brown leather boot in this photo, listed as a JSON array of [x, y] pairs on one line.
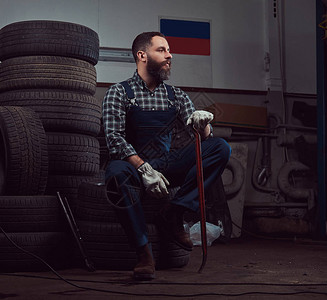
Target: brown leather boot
[[145, 267], [170, 221]]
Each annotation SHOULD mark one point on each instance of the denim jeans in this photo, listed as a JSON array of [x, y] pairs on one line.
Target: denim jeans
[[179, 167]]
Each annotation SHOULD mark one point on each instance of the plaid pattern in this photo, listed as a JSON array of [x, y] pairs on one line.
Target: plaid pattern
[[115, 106]]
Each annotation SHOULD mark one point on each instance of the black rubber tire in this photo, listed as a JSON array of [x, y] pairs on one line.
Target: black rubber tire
[[93, 204], [73, 154], [67, 185], [42, 37], [53, 247], [152, 206], [61, 111], [47, 72], [108, 247], [31, 214], [3, 164], [104, 151], [172, 256], [23, 144]]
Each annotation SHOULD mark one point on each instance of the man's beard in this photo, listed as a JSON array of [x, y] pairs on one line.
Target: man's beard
[[155, 69]]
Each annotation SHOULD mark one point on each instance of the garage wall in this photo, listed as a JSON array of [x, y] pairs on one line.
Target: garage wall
[[237, 36], [242, 33], [231, 31], [299, 44]]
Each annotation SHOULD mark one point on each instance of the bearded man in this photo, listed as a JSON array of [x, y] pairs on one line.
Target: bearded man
[[137, 113]]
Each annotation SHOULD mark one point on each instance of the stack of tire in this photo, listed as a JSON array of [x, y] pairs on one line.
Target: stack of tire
[[47, 74], [48, 66], [47, 87], [28, 218], [106, 241]]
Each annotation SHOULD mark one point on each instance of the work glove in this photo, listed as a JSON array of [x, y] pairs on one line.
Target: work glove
[[155, 183], [200, 119]]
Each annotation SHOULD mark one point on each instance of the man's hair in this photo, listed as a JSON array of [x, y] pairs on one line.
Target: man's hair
[[142, 41]]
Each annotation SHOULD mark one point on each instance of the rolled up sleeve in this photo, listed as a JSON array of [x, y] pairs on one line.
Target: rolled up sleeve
[[114, 117]]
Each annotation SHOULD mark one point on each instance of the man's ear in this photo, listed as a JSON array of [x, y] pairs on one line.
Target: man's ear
[[141, 55]]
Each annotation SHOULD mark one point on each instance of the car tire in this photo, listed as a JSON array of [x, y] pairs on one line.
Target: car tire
[[23, 152], [43, 37]]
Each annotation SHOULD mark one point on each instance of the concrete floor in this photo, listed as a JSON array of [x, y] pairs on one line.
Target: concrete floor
[[246, 268]]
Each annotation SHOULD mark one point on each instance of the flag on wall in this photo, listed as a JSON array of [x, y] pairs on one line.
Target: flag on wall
[[187, 37]]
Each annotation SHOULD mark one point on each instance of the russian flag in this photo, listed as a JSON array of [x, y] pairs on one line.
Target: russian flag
[[187, 37]]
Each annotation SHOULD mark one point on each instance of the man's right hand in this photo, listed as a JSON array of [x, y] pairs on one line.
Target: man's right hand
[[155, 183]]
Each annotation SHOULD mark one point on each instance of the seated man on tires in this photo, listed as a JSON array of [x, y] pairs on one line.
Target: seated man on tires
[[137, 118]]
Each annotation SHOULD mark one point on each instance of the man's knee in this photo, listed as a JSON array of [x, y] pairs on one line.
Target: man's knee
[[226, 150], [221, 148], [123, 183], [120, 168]]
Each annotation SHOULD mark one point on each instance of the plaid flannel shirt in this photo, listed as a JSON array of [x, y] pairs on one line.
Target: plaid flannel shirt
[[115, 106]]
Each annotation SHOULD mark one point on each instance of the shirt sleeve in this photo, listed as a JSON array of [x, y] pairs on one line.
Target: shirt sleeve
[[186, 106], [114, 117]]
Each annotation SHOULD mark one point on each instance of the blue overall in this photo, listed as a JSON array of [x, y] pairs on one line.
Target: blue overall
[[147, 132]]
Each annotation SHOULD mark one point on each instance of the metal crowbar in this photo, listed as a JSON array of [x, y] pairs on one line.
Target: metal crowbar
[[73, 226], [199, 172]]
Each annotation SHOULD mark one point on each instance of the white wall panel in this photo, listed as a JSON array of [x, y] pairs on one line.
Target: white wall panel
[[83, 12], [237, 36], [238, 47], [300, 45]]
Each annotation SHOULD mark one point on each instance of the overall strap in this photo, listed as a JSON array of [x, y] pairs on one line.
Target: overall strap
[[129, 92], [171, 95], [128, 89], [131, 96]]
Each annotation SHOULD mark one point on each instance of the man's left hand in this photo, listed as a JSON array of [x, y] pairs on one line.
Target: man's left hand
[[200, 119]]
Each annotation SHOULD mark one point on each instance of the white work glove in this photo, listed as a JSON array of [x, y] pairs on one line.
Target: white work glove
[[155, 183], [200, 119]]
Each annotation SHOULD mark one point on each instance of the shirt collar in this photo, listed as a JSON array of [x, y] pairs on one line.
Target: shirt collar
[[139, 81]]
